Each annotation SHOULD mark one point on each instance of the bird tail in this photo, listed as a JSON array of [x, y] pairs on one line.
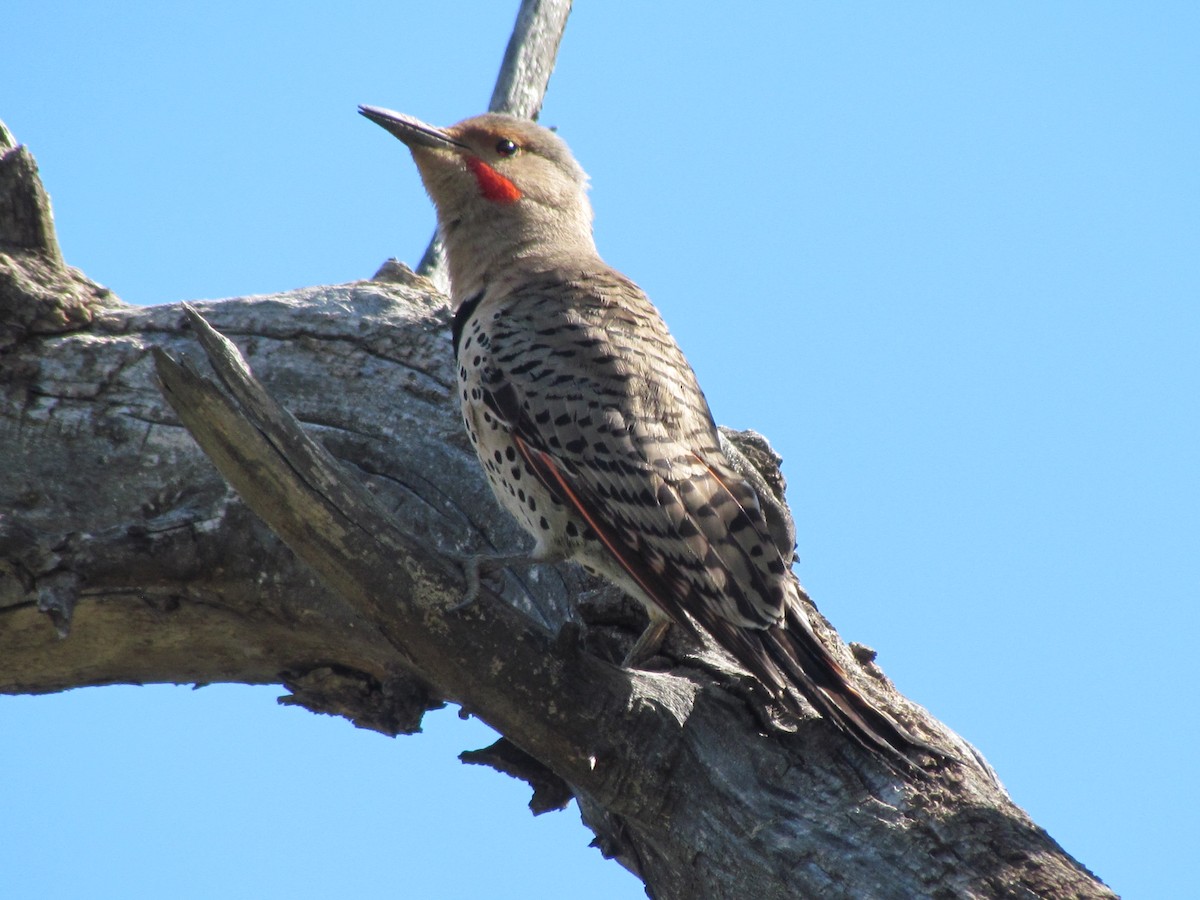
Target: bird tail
[[798, 654]]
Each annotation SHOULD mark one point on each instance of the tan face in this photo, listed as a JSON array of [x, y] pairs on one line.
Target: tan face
[[494, 159]]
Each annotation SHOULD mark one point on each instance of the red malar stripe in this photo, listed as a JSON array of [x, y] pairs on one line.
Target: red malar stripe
[[492, 184]]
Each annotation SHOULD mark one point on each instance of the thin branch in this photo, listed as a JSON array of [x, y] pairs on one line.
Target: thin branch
[[529, 58], [520, 89]]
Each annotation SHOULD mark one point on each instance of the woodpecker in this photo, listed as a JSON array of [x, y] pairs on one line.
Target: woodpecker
[[591, 426]]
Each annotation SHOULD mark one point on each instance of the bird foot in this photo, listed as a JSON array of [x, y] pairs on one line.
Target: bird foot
[[477, 566], [471, 566]]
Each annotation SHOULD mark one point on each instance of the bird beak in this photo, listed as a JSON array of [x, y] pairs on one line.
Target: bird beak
[[413, 132]]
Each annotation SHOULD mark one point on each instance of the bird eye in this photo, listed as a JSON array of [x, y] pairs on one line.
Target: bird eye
[[505, 147]]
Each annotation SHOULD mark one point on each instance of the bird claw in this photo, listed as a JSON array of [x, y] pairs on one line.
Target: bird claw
[[476, 566], [471, 572], [472, 566]]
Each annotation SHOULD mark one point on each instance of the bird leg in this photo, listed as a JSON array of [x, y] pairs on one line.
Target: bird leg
[[477, 565], [647, 645]]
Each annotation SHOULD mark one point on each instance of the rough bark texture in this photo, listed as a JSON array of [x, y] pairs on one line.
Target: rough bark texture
[[126, 558]]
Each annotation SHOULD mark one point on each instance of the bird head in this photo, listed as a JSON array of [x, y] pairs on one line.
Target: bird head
[[500, 184]]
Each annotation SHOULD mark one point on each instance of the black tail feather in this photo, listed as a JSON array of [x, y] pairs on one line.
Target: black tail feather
[[798, 654], [789, 658]]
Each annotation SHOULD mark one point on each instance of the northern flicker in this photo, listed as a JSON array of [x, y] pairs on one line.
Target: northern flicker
[[591, 426]]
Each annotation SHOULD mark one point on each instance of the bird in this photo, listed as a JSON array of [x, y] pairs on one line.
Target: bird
[[592, 428]]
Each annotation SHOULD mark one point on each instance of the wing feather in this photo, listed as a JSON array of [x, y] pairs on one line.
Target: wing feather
[[604, 409]]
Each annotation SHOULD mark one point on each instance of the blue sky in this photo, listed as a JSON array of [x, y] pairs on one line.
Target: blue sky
[[945, 256]]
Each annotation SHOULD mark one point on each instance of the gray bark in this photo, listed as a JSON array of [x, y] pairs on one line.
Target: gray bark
[[127, 557]]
